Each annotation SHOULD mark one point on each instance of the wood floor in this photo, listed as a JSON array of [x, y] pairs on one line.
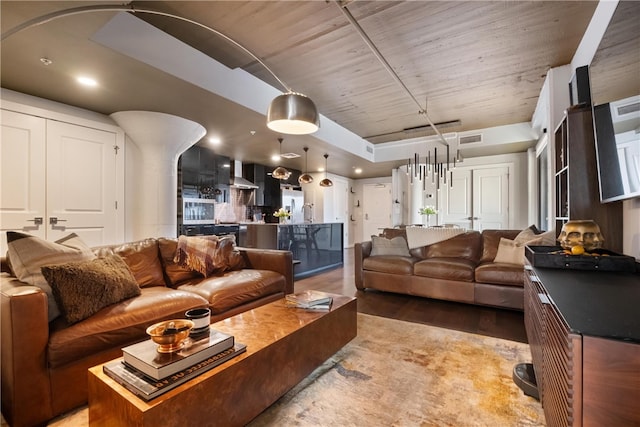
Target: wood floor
[[506, 324]]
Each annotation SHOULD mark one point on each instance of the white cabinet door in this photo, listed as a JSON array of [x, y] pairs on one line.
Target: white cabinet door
[[22, 186], [52, 169], [81, 182]]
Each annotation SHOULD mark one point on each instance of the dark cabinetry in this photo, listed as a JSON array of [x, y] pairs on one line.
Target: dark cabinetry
[[584, 334], [202, 172], [576, 179], [268, 192]]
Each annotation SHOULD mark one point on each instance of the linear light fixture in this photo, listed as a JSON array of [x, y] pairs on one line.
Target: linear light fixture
[[290, 113]]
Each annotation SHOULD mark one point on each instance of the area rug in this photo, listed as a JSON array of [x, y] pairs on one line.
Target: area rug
[[397, 373]]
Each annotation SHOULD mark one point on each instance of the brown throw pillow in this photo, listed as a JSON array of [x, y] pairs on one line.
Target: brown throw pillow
[[84, 288], [396, 246], [175, 272], [29, 253]]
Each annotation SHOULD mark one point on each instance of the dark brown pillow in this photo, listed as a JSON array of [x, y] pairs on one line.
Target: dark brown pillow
[[81, 289]]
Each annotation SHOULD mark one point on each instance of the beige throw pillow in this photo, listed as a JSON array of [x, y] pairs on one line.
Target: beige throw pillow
[[511, 252], [383, 246], [29, 253]]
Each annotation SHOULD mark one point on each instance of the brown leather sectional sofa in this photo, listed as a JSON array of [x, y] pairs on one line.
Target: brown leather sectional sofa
[[44, 365], [457, 269]]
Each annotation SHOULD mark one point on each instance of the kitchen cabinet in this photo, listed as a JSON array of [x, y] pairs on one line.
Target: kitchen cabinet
[[576, 178], [584, 333], [268, 192], [202, 174]]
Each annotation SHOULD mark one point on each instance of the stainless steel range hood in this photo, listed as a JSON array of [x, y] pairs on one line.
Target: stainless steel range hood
[[238, 181]]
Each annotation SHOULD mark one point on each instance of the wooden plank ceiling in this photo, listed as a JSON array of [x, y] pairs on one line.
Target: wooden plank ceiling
[[480, 63]]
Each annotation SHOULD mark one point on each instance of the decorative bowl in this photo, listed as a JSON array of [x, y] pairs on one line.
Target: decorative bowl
[[170, 335]]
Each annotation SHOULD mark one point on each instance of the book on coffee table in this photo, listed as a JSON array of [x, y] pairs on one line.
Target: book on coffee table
[[145, 357], [308, 299], [148, 388]]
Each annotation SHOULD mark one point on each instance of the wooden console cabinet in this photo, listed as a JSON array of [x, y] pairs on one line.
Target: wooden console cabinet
[[584, 331]]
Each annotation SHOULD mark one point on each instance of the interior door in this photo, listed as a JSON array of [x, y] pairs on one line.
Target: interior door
[[490, 198], [22, 186], [376, 209], [477, 199], [81, 183], [457, 200]]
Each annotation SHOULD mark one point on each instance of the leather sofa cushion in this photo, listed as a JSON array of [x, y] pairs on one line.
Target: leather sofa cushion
[[143, 260], [389, 264], [445, 268], [463, 246], [234, 288], [491, 241], [500, 274], [117, 325]]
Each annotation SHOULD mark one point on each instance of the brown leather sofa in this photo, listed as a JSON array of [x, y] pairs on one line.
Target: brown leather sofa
[[457, 269], [44, 365]]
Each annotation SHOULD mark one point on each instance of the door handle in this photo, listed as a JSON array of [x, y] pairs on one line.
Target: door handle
[[37, 220], [471, 218], [53, 220]]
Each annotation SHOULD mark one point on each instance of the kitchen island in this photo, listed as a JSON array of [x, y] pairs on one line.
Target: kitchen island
[[316, 247]]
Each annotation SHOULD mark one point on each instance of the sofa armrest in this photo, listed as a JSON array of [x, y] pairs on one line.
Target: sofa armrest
[[23, 351], [274, 260], [361, 251]]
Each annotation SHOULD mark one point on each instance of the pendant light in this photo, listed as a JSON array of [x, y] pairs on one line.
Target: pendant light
[[305, 178], [290, 113], [280, 172], [294, 114], [326, 182]]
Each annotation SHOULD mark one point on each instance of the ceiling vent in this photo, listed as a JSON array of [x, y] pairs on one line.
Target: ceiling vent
[[470, 139], [289, 155], [628, 109]]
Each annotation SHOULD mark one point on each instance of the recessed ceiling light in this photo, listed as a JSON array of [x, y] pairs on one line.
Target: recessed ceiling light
[[214, 140], [87, 81], [320, 169], [358, 170], [46, 61], [275, 157]]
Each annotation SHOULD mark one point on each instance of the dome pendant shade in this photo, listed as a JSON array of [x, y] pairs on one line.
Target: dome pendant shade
[[293, 114], [280, 173], [305, 178], [326, 182]]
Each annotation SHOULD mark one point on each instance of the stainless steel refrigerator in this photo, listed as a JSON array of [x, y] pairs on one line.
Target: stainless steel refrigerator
[[293, 200]]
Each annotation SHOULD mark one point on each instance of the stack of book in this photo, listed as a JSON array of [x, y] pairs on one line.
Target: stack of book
[[310, 300], [147, 373]]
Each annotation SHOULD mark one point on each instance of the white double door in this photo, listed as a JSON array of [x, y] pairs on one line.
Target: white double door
[[477, 198], [58, 178]]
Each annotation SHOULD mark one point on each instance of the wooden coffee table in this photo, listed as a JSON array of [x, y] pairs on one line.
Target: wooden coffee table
[[284, 345]]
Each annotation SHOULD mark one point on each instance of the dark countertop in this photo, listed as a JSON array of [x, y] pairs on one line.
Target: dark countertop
[[596, 303]]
